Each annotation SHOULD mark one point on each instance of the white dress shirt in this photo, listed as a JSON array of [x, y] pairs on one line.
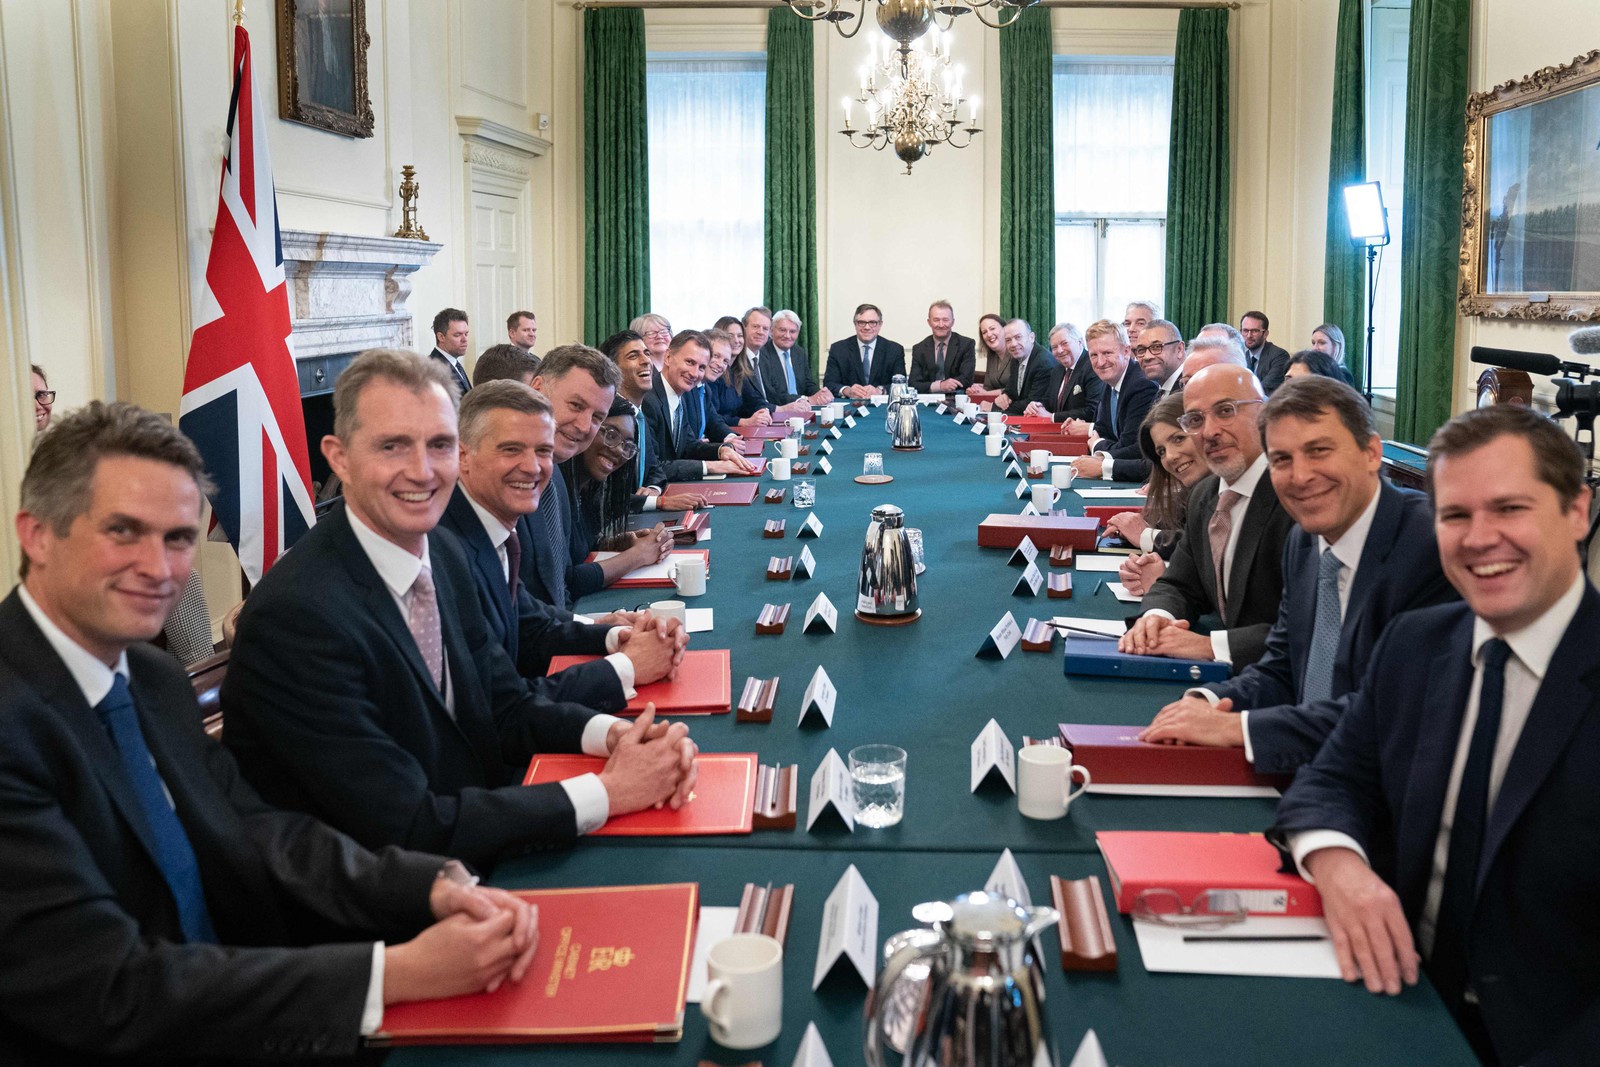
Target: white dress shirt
[[1532, 648]]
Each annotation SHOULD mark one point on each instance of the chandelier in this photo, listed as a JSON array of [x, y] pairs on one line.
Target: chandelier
[[913, 101], [906, 20]]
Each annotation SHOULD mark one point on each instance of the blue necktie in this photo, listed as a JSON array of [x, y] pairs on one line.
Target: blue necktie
[[552, 515], [641, 435], [866, 362], [788, 372], [677, 425], [1113, 402], [174, 855], [1324, 631], [1448, 961]]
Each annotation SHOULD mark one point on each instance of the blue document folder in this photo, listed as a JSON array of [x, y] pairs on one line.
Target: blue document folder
[[1091, 655]]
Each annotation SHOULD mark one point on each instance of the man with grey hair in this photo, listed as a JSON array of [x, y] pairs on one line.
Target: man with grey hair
[[1160, 354], [786, 372], [1208, 350], [1073, 389], [1030, 381], [364, 686], [179, 914], [1139, 314]]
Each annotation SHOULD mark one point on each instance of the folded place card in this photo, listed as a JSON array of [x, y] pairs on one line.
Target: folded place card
[[1029, 509], [831, 787], [823, 466], [1002, 639], [1006, 879], [961, 420], [812, 527], [1024, 554], [1023, 488], [942, 409], [1028, 582], [849, 422], [819, 697], [821, 616], [826, 448], [992, 751], [834, 433], [806, 565], [977, 428], [849, 929]]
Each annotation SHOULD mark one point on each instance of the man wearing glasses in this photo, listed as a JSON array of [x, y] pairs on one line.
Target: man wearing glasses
[[1230, 561], [863, 366], [44, 400], [1160, 353], [1124, 399]]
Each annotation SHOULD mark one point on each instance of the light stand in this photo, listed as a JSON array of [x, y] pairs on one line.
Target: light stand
[[1369, 224]]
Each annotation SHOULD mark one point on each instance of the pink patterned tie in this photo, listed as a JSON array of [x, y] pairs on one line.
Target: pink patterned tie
[[424, 624], [1219, 530]]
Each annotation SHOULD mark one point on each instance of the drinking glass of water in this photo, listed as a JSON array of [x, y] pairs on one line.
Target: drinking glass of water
[[872, 464], [879, 775]]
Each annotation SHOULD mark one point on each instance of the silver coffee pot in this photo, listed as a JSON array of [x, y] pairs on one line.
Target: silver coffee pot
[[887, 583], [905, 424], [967, 992]]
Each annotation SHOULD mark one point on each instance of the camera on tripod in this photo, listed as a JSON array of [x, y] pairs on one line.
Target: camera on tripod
[[1576, 397]]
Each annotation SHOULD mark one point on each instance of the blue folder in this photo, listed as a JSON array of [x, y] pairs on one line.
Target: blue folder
[[1093, 656]]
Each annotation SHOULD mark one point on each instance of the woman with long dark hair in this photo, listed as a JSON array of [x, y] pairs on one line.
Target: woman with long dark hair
[[602, 477], [992, 351], [1176, 466]]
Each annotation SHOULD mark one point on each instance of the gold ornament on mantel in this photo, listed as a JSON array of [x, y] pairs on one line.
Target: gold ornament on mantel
[[409, 188]]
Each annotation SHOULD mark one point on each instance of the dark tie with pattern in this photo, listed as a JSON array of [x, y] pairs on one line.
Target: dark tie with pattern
[[1220, 528], [678, 423], [938, 363], [513, 564], [552, 515], [866, 362], [1324, 631], [174, 854], [1451, 941], [1061, 396]]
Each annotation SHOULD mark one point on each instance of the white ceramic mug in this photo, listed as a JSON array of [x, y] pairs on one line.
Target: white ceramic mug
[[788, 448], [670, 609], [838, 412], [825, 417], [991, 445], [1061, 475], [1045, 497], [1044, 781], [778, 467], [743, 1001], [796, 424], [998, 419], [1038, 461], [689, 572]]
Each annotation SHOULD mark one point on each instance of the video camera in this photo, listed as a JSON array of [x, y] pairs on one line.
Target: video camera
[[1576, 398]]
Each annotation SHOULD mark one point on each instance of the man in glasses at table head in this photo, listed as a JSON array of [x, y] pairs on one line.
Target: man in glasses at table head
[[1229, 564], [1450, 819]]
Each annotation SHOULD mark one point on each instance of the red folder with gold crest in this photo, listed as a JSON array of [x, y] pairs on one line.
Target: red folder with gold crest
[[723, 801], [612, 965]]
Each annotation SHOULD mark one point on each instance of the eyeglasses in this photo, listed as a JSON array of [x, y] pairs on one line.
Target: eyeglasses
[[1210, 910], [1225, 411], [1155, 348], [869, 322], [44, 397], [617, 444]]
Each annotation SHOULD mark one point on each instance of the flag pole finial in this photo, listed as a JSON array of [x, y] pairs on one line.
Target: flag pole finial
[[238, 12]]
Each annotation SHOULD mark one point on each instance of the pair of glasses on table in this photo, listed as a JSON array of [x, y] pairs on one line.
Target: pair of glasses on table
[[1212, 909]]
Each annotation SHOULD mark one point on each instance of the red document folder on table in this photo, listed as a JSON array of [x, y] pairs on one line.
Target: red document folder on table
[[723, 801], [1105, 511], [657, 575], [612, 965], [703, 685], [717, 492], [1114, 755], [1004, 530], [760, 466], [1191, 863], [752, 446], [765, 433]]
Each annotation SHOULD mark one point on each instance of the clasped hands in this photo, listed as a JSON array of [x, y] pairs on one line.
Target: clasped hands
[[1140, 571], [1157, 635], [655, 645], [651, 764], [483, 938]]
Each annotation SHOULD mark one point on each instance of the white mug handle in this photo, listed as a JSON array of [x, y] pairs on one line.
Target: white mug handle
[[1068, 794], [1055, 494], [708, 998]]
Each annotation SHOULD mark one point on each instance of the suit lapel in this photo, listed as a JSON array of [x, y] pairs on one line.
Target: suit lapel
[[1263, 502], [471, 716], [1381, 540], [463, 520]]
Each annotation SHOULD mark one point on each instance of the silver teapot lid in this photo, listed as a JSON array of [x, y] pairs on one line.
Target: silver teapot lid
[[978, 918], [888, 515]]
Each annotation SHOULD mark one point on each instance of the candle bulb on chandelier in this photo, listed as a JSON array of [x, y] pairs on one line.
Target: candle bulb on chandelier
[[973, 119], [846, 102]]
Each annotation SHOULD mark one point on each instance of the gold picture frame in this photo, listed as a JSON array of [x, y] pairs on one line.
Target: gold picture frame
[[322, 65], [1530, 211]]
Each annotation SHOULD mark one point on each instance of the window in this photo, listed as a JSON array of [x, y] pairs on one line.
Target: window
[[707, 119], [1112, 123], [1388, 40]]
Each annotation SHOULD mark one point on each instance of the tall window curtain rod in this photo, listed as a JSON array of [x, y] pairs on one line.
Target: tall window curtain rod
[[1085, 5]]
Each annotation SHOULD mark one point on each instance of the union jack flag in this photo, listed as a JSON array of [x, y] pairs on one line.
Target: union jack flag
[[241, 396]]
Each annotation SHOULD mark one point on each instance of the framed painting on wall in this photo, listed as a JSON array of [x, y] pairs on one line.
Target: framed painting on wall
[[322, 65], [1530, 217]]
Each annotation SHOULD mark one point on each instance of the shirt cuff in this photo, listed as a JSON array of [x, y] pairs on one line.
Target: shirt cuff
[[652, 503], [1306, 842], [1244, 727], [614, 639], [582, 618], [705, 468], [1160, 613], [624, 668], [591, 806], [1219, 646], [1105, 468], [372, 1013], [1147, 539]]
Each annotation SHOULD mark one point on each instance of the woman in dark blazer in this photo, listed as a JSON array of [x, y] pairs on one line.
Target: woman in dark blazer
[[602, 477], [1176, 466]]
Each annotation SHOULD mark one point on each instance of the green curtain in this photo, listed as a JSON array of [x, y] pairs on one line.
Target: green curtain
[[616, 172], [1430, 239], [790, 224], [1027, 173], [1197, 162], [1344, 280]]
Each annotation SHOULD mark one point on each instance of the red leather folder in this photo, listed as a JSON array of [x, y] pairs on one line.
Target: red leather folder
[[1114, 755], [1105, 511], [703, 687], [1191, 863], [1056, 446], [752, 446], [1029, 423], [723, 801], [1003, 530], [612, 965], [760, 466], [983, 396], [725, 493], [762, 433], [629, 582]]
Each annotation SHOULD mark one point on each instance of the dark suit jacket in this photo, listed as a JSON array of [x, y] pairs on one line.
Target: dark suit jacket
[[93, 964], [1381, 778], [568, 549], [330, 708], [530, 630], [1035, 382], [460, 376], [669, 463], [1120, 439], [1399, 572], [773, 380], [1188, 589], [1272, 366], [844, 363], [960, 362], [1083, 390]]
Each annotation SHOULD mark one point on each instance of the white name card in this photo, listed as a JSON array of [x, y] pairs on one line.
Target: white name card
[[849, 929], [812, 1052], [1120, 591], [1013, 471], [806, 565], [1000, 640], [849, 422], [961, 419], [821, 616], [879, 399], [992, 751], [1024, 554], [1023, 488], [1006, 880], [1029, 509], [820, 695], [977, 428], [1028, 582], [834, 433], [827, 448], [831, 788], [823, 466], [812, 527], [942, 409]]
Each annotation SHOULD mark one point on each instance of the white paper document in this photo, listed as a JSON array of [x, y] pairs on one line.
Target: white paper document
[[1102, 564], [1214, 792], [697, 620], [716, 924], [1110, 494], [1120, 591], [1108, 627], [1268, 946]]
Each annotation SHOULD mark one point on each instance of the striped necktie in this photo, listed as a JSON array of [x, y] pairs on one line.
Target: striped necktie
[[1324, 630]]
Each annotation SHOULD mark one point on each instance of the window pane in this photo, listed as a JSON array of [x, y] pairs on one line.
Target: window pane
[[1136, 265], [1075, 271], [707, 120], [1112, 125]]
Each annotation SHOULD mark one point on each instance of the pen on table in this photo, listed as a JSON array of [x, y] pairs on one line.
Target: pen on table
[[1064, 628], [1189, 938]]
